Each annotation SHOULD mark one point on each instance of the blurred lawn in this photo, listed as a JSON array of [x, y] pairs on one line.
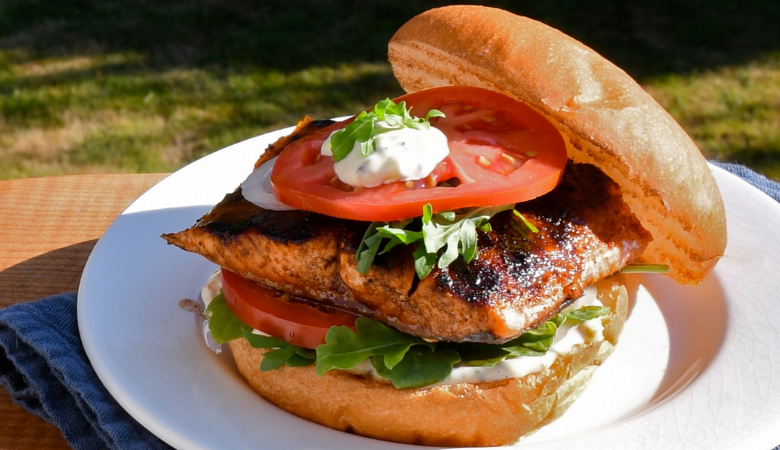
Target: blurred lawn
[[143, 86]]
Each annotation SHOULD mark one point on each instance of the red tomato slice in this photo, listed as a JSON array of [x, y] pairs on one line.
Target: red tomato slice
[[264, 309], [501, 152]]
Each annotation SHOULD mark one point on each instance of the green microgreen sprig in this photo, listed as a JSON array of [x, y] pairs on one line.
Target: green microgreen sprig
[[454, 234], [386, 115]]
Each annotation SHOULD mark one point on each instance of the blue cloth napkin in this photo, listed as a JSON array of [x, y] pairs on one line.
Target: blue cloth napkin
[[769, 187], [44, 367]]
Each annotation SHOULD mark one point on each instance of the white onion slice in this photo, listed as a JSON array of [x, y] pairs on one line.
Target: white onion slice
[[257, 188]]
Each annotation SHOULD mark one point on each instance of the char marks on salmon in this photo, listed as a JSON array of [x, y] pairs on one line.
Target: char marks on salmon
[[518, 280]]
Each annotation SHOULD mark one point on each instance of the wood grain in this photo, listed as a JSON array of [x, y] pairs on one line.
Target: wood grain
[[48, 227]]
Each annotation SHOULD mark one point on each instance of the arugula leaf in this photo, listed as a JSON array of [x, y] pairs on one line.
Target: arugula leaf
[[468, 240], [478, 354], [283, 352], [457, 233], [398, 235], [535, 342], [587, 313], [421, 366], [345, 348], [223, 324], [360, 130], [538, 340], [558, 319], [225, 327], [525, 221], [364, 129], [445, 237], [433, 113], [424, 262], [368, 248], [645, 268], [405, 360], [383, 105]]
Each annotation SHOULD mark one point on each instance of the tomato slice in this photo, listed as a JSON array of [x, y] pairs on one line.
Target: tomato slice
[[501, 152], [266, 310]]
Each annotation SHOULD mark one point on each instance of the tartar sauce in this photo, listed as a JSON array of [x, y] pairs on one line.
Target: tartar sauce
[[258, 189], [569, 335], [403, 154], [209, 291]]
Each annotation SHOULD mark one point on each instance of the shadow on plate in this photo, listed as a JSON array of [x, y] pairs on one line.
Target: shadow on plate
[[696, 320], [50, 273]]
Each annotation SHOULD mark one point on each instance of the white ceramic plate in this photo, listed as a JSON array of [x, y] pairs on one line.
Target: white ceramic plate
[[696, 367]]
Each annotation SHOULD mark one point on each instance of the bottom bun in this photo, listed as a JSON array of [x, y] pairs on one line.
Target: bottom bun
[[466, 414]]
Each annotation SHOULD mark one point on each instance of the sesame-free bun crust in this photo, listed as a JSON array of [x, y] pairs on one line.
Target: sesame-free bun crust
[[481, 414], [607, 118]]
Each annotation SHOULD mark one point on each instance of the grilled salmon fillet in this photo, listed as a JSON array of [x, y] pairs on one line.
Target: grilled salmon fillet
[[518, 280]]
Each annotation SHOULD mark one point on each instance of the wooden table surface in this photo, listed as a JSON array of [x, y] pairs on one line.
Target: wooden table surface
[[48, 227]]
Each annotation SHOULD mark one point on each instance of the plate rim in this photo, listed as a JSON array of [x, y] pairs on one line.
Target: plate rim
[[142, 204]]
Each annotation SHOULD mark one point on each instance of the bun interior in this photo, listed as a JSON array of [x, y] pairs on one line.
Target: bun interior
[[607, 118]]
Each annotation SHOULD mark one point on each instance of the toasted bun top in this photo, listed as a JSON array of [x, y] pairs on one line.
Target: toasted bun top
[[607, 118]]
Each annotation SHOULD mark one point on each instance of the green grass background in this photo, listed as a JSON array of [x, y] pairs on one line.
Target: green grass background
[[148, 86]]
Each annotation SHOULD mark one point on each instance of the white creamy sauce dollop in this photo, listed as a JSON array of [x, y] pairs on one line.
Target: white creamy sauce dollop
[[209, 291], [403, 154], [212, 287], [258, 189]]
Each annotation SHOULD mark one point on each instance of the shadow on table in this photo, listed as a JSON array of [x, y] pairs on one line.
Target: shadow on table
[[48, 274]]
